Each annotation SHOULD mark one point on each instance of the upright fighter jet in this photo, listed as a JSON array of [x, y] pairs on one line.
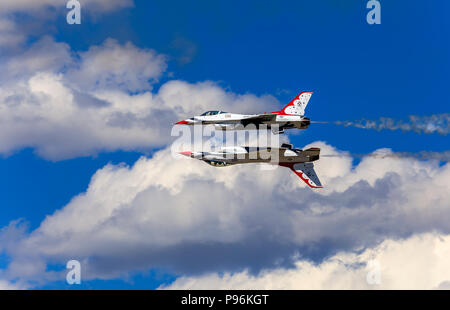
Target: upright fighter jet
[[291, 116], [299, 161]]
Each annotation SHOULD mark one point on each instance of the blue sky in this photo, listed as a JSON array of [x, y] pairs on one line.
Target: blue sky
[[358, 70], [395, 69]]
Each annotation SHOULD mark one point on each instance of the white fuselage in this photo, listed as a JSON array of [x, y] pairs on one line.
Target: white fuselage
[[232, 121], [242, 155], [291, 116]]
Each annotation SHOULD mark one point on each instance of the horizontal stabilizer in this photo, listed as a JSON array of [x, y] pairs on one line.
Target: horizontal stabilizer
[[307, 174]]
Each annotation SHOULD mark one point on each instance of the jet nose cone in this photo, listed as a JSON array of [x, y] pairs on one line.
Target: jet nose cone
[[182, 123], [189, 154]]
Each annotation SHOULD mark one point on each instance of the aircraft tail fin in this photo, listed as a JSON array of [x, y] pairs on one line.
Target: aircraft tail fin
[[307, 173], [298, 105]]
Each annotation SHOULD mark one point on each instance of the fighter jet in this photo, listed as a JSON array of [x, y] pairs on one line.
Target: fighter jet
[[291, 116], [299, 161]]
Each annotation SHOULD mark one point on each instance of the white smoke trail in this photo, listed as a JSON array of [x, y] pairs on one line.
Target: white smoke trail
[[422, 155], [438, 123]]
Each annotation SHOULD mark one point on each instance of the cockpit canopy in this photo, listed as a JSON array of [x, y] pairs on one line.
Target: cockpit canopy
[[209, 113]]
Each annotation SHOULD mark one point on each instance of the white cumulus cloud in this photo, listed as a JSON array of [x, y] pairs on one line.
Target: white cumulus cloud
[[189, 218], [419, 262], [7, 6], [66, 104], [120, 67]]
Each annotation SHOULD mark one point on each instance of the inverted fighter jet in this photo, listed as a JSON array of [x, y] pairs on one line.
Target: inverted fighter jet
[[299, 161], [291, 116]]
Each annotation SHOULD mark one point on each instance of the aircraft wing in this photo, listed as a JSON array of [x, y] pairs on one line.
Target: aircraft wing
[[259, 118], [307, 174]]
